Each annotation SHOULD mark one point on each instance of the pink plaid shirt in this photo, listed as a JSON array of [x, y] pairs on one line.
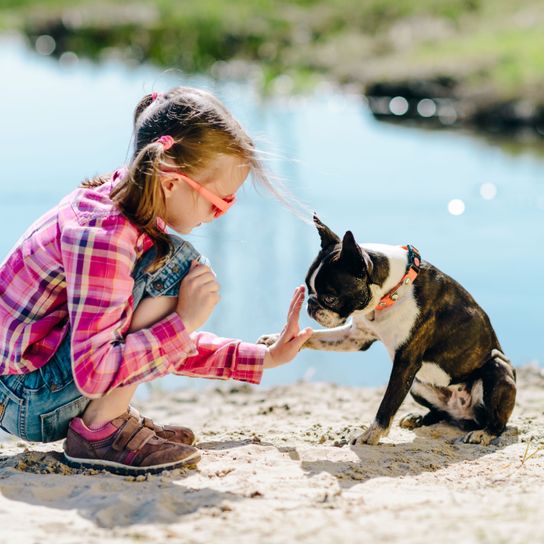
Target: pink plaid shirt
[[72, 269]]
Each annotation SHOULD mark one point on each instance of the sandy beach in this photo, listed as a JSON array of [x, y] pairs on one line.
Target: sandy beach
[[275, 469]]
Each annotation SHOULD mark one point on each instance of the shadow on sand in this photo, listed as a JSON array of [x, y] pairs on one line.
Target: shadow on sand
[[434, 448], [107, 500]]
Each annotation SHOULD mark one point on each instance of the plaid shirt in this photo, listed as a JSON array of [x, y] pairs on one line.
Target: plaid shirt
[[72, 269]]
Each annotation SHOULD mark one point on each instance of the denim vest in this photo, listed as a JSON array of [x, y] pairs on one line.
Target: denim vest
[[166, 280]]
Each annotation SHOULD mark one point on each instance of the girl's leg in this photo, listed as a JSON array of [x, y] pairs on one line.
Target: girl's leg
[[116, 402], [128, 443]]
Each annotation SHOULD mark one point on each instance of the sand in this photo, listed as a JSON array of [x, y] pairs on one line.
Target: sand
[[275, 468]]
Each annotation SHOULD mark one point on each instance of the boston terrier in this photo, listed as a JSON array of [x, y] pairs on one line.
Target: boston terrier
[[443, 347]]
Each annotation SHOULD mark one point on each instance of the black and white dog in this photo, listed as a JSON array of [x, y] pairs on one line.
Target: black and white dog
[[443, 347]]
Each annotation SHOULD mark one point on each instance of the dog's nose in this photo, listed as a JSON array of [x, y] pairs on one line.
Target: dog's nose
[[312, 305]]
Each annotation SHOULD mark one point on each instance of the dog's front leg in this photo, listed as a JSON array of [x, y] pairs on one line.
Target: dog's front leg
[[400, 382], [344, 338]]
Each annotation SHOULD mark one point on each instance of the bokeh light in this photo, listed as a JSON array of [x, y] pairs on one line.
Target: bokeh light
[[488, 191], [456, 206], [45, 45], [398, 105], [68, 59], [426, 107]]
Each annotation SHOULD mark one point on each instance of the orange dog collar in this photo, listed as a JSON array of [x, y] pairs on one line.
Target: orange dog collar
[[412, 270]]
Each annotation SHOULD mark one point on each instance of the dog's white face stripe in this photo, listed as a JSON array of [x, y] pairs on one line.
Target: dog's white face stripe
[[311, 282]]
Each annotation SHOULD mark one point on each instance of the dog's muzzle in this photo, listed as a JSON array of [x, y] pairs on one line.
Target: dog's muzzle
[[326, 318]]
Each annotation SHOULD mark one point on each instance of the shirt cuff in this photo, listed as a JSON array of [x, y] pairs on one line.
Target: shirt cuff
[[249, 362], [174, 340]]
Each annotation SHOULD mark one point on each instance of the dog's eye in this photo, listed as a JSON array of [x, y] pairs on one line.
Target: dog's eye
[[329, 299]]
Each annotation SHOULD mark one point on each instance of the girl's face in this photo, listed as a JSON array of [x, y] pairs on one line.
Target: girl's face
[[186, 208]]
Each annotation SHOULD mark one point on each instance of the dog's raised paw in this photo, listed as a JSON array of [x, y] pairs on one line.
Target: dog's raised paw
[[411, 421], [268, 339], [479, 436]]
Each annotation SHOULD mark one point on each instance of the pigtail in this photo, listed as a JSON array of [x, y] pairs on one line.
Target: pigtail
[[91, 183], [140, 198]]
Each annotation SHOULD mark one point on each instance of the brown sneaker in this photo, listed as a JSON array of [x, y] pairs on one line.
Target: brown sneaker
[[172, 433], [131, 450]]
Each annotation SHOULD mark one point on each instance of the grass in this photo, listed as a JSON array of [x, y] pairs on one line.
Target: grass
[[527, 456], [507, 58]]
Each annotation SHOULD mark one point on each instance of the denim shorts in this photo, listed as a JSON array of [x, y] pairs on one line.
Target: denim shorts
[[38, 406]]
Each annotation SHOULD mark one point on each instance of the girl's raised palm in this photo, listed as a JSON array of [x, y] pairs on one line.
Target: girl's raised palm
[[288, 343]]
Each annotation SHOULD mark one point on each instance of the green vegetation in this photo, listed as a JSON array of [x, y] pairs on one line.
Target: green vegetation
[[492, 44]]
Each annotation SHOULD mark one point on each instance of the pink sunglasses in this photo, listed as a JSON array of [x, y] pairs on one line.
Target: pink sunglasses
[[220, 205]]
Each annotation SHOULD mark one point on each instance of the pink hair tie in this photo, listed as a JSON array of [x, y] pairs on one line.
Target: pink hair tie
[[166, 141], [155, 95]]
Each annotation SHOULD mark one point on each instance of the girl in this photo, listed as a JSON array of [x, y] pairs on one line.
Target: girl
[[92, 303]]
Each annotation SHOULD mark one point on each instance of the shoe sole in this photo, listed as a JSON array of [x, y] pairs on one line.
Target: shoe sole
[[126, 470]]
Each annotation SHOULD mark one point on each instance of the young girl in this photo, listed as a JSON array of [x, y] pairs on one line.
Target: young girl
[[92, 303]]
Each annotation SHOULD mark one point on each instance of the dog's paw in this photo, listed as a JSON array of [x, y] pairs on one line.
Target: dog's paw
[[371, 436], [480, 436], [411, 421], [268, 339]]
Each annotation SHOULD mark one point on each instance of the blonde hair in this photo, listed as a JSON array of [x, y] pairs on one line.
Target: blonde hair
[[201, 127]]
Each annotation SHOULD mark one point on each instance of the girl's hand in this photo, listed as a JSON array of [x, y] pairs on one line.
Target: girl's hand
[[291, 337], [198, 296]]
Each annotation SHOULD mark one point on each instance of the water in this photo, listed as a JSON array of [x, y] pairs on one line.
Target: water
[[386, 183]]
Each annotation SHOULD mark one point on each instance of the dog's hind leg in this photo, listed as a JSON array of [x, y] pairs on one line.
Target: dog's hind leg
[[414, 420], [499, 396]]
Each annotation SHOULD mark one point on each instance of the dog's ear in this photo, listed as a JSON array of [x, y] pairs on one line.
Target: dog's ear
[[328, 237], [355, 256]]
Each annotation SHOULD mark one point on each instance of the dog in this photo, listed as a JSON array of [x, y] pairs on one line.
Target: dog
[[441, 342]]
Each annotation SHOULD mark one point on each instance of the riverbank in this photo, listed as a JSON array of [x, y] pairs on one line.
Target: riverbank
[[274, 469], [474, 63]]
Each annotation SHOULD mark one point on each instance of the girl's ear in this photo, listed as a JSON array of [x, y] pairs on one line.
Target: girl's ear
[[168, 185], [328, 237]]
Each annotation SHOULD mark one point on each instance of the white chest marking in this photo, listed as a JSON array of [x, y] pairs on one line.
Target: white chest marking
[[431, 373], [392, 326]]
